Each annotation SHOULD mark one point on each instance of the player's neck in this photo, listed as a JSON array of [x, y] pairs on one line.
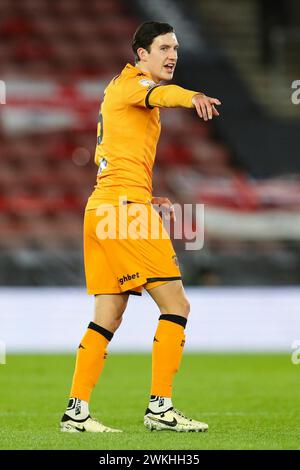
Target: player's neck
[[144, 69]]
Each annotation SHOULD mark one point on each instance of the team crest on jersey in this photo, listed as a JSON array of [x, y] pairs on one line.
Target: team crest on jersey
[[147, 83]]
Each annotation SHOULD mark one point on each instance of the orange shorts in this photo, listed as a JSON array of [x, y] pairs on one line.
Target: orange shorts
[[127, 248]]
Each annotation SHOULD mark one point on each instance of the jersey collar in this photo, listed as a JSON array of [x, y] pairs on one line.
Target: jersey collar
[[137, 71]]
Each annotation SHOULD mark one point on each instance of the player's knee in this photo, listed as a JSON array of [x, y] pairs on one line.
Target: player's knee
[[185, 307], [115, 324], [181, 307], [109, 311], [111, 324]]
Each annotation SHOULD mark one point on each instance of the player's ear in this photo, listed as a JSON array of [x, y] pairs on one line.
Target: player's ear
[[142, 53]]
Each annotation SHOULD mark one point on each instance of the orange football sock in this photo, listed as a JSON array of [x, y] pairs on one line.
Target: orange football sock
[[166, 353], [90, 361]]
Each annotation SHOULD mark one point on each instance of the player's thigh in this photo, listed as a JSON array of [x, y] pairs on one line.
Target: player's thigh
[[109, 309], [170, 298]]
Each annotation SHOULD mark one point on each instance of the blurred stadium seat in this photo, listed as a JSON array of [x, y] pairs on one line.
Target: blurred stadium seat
[[56, 58]]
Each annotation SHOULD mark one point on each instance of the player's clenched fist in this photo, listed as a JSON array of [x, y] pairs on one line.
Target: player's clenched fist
[[205, 106]]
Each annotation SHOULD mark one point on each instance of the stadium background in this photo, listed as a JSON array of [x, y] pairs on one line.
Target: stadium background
[[56, 58]]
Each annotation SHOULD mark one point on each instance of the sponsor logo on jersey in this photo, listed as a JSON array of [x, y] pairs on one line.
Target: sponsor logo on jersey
[[147, 83]]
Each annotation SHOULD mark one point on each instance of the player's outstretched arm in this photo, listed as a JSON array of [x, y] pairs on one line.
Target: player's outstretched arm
[[171, 96]]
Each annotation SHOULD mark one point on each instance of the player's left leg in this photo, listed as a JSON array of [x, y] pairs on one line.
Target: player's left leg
[[91, 355], [167, 351]]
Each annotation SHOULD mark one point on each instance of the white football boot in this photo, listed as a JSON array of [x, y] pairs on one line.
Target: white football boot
[[89, 424], [172, 420], [77, 419]]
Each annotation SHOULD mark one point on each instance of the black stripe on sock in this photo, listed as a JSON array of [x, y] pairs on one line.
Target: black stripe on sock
[[175, 319], [102, 331]]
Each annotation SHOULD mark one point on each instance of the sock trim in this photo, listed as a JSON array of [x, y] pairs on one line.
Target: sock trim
[[102, 331], [174, 318]]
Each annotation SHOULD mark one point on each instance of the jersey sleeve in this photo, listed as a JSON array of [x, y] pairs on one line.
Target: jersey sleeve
[[136, 89], [170, 96]]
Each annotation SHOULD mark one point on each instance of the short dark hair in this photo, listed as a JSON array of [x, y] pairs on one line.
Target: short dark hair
[[146, 33]]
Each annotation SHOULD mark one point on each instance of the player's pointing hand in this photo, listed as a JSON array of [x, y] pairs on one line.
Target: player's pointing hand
[[205, 106]]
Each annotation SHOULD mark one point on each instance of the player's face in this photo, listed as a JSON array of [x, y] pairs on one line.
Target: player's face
[[162, 58]]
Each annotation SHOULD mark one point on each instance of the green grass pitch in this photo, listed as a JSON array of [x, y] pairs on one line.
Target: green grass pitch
[[250, 401]]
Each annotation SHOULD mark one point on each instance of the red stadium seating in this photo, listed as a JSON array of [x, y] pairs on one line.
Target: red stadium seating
[[47, 175]]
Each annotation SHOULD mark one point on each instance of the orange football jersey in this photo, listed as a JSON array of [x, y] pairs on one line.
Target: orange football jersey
[[127, 136]]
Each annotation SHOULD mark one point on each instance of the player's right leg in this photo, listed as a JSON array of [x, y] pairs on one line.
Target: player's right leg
[[91, 355], [167, 351]]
